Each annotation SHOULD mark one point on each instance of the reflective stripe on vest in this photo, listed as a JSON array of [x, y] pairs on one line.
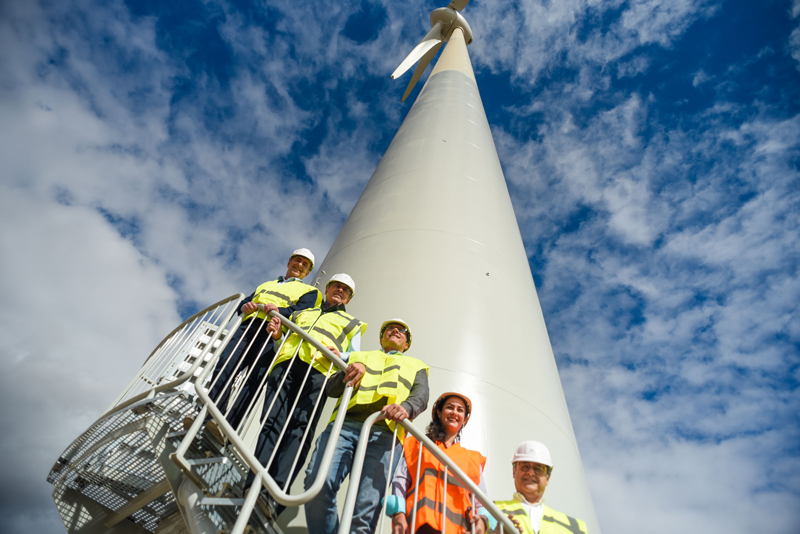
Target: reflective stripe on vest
[[332, 328], [514, 509], [282, 295], [432, 471], [553, 522], [430, 501], [389, 376], [343, 336], [435, 509], [386, 375], [385, 385]]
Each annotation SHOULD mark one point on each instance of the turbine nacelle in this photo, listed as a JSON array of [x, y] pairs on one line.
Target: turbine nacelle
[[451, 19], [444, 21]]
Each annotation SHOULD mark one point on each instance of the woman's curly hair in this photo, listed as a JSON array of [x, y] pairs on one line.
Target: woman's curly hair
[[435, 430]]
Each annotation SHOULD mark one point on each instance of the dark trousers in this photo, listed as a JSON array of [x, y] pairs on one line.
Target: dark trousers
[[296, 423], [249, 358]]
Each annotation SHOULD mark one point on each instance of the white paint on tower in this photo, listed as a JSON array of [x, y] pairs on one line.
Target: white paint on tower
[[434, 240]]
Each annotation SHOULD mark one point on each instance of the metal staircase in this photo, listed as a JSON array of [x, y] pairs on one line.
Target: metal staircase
[[137, 469], [118, 475]]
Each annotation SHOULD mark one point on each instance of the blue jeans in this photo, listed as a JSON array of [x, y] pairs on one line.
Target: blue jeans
[[321, 512]]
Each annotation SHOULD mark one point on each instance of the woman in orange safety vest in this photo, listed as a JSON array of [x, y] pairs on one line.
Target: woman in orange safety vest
[[438, 510]]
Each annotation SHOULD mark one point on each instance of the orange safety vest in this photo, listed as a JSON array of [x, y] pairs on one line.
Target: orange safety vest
[[429, 497]]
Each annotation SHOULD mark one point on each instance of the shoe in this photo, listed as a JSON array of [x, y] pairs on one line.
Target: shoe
[[265, 503], [214, 431], [188, 422], [230, 491]]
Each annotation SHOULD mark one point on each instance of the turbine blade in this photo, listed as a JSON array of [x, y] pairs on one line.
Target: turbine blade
[[423, 64], [430, 40], [458, 5]]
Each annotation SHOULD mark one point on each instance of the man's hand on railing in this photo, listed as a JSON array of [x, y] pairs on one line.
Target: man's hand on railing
[[354, 372], [399, 523], [274, 327], [249, 307], [395, 412]]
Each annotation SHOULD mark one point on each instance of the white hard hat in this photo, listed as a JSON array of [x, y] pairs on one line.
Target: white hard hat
[[304, 252], [532, 451], [343, 279], [398, 321]]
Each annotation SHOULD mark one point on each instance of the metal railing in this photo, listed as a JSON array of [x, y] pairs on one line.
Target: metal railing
[[504, 523], [198, 337], [182, 362], [115, 449], [210, 407], [168, 353]]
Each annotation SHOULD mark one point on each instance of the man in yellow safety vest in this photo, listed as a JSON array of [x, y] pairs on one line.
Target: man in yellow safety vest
[[384, 380], [531, 468], [292, 400], [251, 348]]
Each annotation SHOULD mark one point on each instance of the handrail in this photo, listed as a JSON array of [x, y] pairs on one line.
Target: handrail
[[250, 459], [189, 372], [177, 343], [150, 393], [358, 462], [130, 427], [263, 477]]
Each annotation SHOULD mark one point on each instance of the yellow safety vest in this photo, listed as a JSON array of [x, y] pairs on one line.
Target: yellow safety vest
[[387, 375], [553, 522], [332, 329], [282, 295]]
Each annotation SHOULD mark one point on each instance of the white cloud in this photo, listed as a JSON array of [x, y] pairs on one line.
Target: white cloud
[[82, 138], [82, 310], [543, 31], [700, 77], [671, 301], [635, 66]]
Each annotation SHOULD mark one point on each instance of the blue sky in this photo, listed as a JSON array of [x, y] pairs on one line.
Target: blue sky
[[159, 156]]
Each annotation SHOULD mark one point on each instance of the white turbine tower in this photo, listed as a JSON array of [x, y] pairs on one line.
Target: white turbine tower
[[433, 239]]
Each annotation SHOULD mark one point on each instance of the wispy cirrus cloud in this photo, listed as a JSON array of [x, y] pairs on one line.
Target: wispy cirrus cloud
[[668, 267]]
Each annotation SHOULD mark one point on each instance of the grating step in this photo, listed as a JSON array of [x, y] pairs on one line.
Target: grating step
[[221, 501], [206, 461], [213, 470], [178, 434]]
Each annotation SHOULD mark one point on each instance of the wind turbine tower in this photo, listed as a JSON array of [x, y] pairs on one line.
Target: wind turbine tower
[[433, 239]]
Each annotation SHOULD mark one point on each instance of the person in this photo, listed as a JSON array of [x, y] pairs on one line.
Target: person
[[291, 381], [385, 380], [531, 469], [251, 346], [451, 412]]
